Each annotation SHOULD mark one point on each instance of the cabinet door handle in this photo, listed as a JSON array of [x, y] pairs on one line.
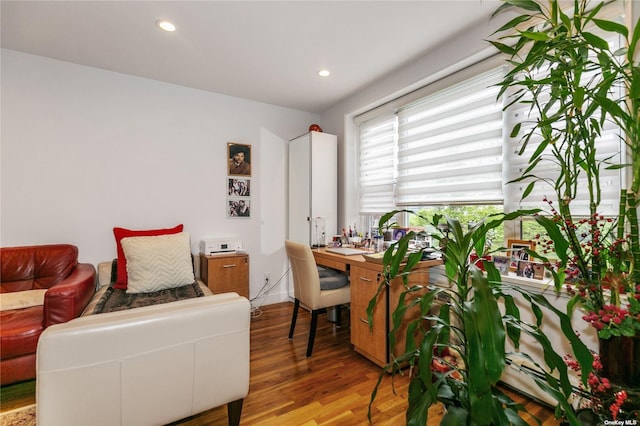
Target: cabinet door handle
[[229, 266], [367, 280], [364, 321]]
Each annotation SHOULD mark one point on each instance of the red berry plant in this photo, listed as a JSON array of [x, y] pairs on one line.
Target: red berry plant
[[593, 263], [607, 400]]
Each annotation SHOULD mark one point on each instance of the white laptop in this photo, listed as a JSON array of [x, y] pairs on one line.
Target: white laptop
[[347, 251]]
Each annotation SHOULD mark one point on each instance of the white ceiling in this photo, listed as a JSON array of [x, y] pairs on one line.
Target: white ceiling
[[267, 51]]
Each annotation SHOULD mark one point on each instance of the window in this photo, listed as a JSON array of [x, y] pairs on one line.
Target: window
[[440, 145], [447, 145], [467, 215], [377, 165], [450, 145]]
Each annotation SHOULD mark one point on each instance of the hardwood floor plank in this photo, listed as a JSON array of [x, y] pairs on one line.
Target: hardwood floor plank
[[17, 395], [333, 387]]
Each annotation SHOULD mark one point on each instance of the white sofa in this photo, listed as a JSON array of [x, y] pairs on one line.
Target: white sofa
[[145, 366]]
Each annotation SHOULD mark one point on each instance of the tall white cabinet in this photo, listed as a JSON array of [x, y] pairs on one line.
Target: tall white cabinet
[[313, 188]]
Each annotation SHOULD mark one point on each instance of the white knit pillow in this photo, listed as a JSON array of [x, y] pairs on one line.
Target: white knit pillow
[[158, 262]]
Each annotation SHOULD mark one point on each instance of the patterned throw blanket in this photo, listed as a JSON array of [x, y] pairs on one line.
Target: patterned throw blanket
[[115, 299]]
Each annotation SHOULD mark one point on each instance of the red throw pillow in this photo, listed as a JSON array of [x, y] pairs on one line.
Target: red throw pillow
[[121, 233]]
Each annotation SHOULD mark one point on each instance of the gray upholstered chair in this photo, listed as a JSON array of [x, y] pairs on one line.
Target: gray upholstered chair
[[313, 292]]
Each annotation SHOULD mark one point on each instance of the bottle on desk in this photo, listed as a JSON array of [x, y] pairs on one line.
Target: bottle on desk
[[378, 244]]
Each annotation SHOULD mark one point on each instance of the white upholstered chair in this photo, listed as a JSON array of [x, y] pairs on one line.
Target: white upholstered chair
[[308, 288]]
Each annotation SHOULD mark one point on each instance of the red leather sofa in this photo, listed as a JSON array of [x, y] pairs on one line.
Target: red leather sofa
[[67, 287]]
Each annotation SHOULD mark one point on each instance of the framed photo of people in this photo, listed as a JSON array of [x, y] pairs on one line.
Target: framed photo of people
[[517, 252], [238, 180], [238, 159], [531, 270], [238, 208], [239, 187]]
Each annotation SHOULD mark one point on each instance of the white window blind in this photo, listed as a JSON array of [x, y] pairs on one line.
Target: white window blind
[[450, 145], [377, 164]]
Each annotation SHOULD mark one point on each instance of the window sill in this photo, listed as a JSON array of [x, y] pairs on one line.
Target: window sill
[[544, 286]]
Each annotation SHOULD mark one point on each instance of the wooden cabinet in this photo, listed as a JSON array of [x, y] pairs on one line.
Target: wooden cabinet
[[370, 342], [226, 272], [419, 276], [374, 343]]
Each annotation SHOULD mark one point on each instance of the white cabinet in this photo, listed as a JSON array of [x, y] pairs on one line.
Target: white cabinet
[[313, 188]]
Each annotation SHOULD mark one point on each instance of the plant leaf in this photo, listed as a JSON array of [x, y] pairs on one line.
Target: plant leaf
[[633, 42], [612, 27], [595, 41], [532, 35], [513, 23], [488, 323], [525, 4]]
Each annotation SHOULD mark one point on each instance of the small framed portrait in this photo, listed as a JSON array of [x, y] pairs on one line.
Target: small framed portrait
[[538, 271], [502, 264], [525, 269], [239, 187], [517, 253], [398, 233], [238, 159], [238, 208]]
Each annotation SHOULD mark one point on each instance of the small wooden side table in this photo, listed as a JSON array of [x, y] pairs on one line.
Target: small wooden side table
[[226, 272]]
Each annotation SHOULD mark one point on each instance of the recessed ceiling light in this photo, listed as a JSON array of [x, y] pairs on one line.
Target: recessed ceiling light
[[166, 25], [324, 73]]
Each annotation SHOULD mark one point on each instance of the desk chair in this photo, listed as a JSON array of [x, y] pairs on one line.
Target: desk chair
[[308, 288]]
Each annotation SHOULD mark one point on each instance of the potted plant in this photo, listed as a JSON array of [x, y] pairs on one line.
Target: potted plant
[[550, 53], [601, 401], [456, 356]]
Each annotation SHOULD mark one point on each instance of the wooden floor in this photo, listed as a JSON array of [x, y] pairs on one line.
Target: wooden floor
[[333, 387]]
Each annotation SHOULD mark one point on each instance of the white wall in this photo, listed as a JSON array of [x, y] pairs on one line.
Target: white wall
[[84, 150]]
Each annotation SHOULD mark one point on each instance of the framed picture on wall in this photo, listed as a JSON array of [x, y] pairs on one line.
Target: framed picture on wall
[[238, 159], [239, 187], [517, 252], [238, 208]]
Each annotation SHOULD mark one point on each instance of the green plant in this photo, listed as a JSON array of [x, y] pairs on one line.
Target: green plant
[[606, 400], [574, 83], [457, 355]]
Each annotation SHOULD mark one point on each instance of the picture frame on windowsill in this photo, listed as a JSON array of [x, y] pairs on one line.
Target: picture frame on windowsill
[[538, 271], [517, 252], [502, 264]]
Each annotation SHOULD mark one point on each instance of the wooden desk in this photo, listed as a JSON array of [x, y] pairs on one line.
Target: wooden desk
[[365, 278]]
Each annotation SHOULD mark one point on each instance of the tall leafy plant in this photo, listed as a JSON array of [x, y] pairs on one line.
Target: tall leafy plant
[[457, 355], [574, 83]]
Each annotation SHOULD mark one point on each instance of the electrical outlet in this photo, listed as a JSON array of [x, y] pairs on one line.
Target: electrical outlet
[[267, 277]]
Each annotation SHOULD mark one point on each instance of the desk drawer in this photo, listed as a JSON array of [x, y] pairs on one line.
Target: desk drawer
[[364, 284], [371, 342], [329, 263]]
